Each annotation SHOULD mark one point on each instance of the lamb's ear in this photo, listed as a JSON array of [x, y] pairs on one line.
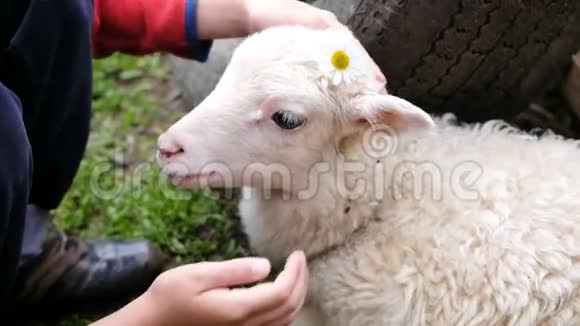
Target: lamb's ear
[[389, 110]]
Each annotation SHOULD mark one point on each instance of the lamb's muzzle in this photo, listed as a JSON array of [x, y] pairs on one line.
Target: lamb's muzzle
[[168, 147]]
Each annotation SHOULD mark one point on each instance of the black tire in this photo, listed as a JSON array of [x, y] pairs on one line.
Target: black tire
[[480, 59]]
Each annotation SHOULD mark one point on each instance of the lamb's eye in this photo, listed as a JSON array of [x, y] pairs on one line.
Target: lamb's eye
[[287, 120]]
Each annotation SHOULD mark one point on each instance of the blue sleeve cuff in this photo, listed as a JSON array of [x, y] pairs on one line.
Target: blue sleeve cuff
[[199, 48]]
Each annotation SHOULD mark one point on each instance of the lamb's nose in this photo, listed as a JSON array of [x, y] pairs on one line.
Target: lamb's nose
[[168, 146]]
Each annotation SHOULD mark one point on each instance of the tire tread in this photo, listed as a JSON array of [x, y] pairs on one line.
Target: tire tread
[[482, 59]]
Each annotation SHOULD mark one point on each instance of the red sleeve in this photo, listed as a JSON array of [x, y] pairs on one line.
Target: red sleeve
[[141, 27]]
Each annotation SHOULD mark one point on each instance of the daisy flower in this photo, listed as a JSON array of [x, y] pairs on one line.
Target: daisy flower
[[342, 62]]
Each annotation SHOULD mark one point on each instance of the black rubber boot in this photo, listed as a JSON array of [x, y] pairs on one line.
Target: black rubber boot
[[72, 274]]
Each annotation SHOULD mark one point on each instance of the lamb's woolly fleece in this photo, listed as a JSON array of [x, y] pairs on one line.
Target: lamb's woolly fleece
[[510, 256]]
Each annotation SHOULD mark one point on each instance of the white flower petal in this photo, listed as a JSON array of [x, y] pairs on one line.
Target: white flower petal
[[327, 69], [347, 78], [337, 78]]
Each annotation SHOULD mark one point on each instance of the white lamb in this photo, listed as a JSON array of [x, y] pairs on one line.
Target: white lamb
[[404, 222]]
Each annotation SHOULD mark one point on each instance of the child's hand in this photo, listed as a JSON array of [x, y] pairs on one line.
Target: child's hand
[[218, 19], [267, 13], [198, 294]]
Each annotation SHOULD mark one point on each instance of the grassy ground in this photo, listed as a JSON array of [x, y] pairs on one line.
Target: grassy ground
[[119, 192]]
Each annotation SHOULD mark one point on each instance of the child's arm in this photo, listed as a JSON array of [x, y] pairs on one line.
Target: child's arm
[[145, 26], [186, 27]]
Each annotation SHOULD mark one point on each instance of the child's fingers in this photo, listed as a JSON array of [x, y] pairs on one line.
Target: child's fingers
[[284, 314], [322, 19], [271, 295], [247, 303], [300, 295], [235, 272], [330, 19]]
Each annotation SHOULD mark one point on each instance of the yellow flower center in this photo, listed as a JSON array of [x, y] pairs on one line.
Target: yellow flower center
[[340, 60]]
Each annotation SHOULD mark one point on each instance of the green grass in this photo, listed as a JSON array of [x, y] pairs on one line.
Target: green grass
[[119, 191]]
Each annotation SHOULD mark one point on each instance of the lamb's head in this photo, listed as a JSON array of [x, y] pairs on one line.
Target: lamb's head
[[287, 97]]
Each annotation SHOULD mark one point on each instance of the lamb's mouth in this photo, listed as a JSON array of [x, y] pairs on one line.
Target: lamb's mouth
[[191, 179]]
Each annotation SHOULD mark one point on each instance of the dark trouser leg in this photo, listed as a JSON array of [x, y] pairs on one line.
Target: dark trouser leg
[[58, 139], [15, 178], [57, 271]]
